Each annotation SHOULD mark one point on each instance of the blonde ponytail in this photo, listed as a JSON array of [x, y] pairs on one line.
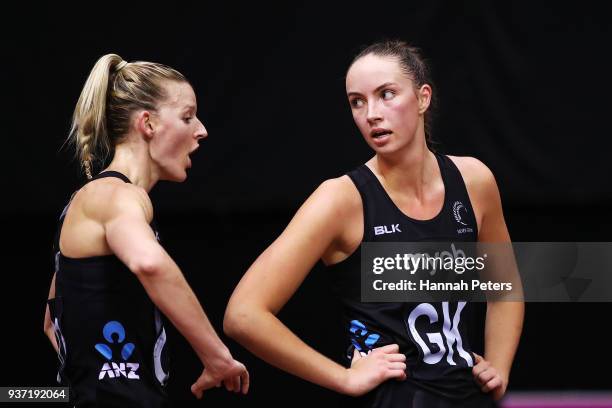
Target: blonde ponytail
[[88, 131]]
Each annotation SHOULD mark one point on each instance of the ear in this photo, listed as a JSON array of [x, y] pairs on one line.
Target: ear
[[424, 96], [144, 123]]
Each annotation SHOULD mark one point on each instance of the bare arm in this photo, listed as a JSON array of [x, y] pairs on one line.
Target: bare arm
[[132, 240], [504, 320], [274, 277], [48, 325]]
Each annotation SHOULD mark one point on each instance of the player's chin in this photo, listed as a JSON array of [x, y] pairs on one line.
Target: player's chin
[[383, 150], [177, 176], [182, 177]]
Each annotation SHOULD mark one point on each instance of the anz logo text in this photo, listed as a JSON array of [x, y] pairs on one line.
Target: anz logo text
[[114, 333]]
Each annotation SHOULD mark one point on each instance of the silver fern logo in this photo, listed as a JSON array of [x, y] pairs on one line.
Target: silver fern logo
[[458, 207]]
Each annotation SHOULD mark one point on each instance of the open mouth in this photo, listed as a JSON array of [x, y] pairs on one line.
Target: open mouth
[[189, 157], [380, 133]]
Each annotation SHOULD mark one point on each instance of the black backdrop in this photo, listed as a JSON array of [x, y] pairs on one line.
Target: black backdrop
[[524, 87]]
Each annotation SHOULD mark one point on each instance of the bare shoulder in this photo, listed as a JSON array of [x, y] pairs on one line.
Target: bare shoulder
[[328, 222], [329, 208], [107, 198], [338, 194], [477, 176], [340, 188]]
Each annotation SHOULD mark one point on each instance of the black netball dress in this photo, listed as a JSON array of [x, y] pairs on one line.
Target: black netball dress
[[110, 335], [433, 336]]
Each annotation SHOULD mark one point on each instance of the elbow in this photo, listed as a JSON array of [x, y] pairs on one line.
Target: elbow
[[146, 266], [236, 322], [231, 324]]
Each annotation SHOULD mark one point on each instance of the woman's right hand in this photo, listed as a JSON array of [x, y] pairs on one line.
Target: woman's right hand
[[370, 370], [231, 373]]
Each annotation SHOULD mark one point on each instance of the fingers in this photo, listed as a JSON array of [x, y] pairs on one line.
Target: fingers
[[196, 390], [397, 366], [245, 381], [388, 349], [480, 367], [234, 379], [239, 381], [232, 384], [204, 382], [485, 376], [492, 384], [395, 358], [201, 384], [398, 373], [395, 362]]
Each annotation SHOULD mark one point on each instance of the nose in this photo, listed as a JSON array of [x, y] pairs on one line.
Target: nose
[[373, 114], [201, 132]]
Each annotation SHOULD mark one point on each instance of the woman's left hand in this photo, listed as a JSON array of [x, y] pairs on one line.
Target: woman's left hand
[[489, 378]]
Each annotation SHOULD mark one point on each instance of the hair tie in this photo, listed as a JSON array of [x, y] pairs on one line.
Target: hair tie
[[120, 66]]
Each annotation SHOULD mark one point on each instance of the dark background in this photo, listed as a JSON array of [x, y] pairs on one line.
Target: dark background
[[522, 86]]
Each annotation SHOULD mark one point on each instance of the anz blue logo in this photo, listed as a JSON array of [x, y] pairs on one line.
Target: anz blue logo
[[114, 333], [361, 338]]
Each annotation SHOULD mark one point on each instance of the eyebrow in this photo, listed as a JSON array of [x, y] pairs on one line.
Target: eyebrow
[[189, 107], [386, 84]]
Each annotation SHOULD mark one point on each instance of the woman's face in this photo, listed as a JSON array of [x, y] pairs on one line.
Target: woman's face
[[386, 107], [176, 131]]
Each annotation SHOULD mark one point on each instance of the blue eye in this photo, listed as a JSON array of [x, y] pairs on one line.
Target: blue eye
[[387, 94], [357, 103]]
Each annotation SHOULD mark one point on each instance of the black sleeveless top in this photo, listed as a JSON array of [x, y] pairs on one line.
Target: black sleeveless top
[[433, 336], [110, 335]]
